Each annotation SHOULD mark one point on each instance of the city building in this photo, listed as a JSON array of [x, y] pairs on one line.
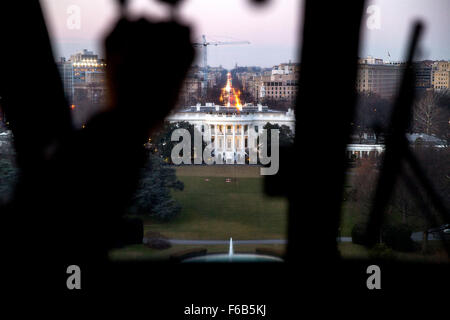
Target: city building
[[440, 77], [423, 71], [190, 91], [84, 62], [214, 75], [83, 76], [364, 151], [279, 84], [92, 91], [229, 129], [65, 69], [377, 77], [277, 87], [286, 68]]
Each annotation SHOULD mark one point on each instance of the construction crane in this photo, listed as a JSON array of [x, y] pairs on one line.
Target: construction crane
[[204, 45]]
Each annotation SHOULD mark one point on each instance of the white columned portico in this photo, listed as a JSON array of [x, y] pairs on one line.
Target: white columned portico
[[233, 145], [215, 138], [242, 140]]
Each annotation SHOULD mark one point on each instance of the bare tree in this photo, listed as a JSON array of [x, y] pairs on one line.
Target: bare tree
[[364, 182], [428, 115]]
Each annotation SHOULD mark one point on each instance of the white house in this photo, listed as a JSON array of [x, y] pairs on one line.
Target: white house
[[229, 129]]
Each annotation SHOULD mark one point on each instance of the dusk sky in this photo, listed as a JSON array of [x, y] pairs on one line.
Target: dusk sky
[[272, 29]]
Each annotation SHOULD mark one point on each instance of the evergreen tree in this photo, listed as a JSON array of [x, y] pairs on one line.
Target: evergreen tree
[[153, 197], [162, 145]]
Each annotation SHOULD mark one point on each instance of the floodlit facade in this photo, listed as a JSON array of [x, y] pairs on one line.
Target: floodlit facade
[[229, 130], [86, 62]]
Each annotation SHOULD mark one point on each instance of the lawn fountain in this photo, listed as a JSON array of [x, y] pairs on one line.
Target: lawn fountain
[[233, 257]]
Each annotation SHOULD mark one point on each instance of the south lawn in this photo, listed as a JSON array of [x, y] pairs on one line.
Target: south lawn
[[219, 202]]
